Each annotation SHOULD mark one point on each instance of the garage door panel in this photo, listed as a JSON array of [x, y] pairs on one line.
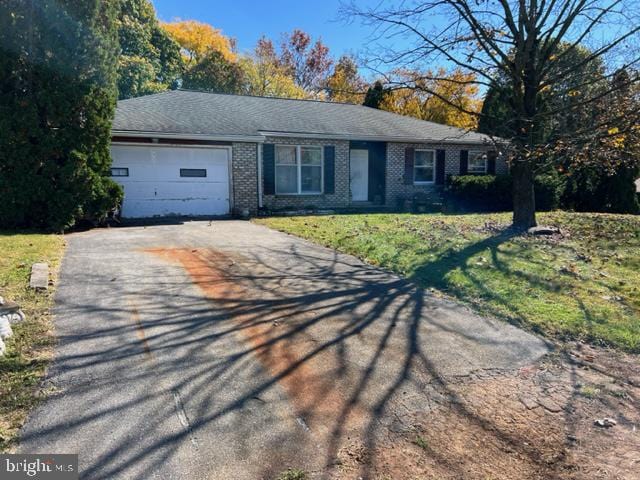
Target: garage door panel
[[176, 190], [142, 208], [154, 186]]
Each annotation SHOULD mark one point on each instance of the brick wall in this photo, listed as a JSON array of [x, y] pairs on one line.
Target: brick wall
[[336, 200], [397, 191], [245, 177]]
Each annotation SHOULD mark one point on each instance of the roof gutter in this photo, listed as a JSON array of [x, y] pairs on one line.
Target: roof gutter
[[335, 136], [261, 138], [189, 136]]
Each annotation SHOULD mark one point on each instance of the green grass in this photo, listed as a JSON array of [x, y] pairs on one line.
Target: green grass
[[589, 391], [30, 348], [421, 442], [293, 474], [585, 285]]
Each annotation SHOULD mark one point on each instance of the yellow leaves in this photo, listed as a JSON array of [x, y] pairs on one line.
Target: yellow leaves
[[266, 79], [441, 97], [197, 39], [615, 139], [345, 84], [618, 142]]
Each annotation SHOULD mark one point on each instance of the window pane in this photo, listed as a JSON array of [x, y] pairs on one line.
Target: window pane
[[477, 162], [286, 179], [423, 174], [311, 179], [193, 172], [285, 155], [424, 159], [119, 172], [311, 156]]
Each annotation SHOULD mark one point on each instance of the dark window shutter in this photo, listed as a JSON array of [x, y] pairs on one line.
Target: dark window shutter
[[409, 153], [329, 168], [440, 154], [491, 163], [269, 168], [464, 162]]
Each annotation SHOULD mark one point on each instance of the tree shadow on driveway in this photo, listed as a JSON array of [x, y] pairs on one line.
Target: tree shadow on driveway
[[239, 364]]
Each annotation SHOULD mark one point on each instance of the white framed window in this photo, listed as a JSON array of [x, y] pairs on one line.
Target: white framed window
[[299, 169], [477, 162], [424, 166]]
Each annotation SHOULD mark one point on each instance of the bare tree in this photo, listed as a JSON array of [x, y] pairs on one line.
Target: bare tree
[[517, 42]]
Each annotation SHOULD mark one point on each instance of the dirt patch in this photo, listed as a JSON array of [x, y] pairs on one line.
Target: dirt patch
[[533, 423], [537, 423]]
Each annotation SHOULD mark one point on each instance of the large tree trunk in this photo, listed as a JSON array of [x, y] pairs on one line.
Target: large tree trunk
[[524, 203]]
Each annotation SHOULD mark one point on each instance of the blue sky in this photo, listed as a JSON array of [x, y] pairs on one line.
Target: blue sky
[[247, 20]]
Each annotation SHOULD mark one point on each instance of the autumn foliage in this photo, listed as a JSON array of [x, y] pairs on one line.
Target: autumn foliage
[[447, 98], [198, 39]]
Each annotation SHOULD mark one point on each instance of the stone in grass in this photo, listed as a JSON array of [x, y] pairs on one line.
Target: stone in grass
[[543, 230], [39, 276], [5, 327], [11, 310], [529, 401], [605, 422], [9, 313], [549, 404]]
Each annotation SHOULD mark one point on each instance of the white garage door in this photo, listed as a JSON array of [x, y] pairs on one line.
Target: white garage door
[[164, 181]]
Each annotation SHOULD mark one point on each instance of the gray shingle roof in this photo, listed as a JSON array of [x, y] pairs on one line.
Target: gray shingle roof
[[202, 113]]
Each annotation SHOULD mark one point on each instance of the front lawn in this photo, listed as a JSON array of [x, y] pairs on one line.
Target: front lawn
[[30, 348], [584, 284]]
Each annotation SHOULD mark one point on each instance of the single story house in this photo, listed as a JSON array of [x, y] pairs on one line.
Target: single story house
[[195, 153]]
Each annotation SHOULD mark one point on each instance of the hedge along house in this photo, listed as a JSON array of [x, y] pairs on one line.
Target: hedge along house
[[204, 154]]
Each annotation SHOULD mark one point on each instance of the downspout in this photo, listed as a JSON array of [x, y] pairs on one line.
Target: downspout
[[258, 145]]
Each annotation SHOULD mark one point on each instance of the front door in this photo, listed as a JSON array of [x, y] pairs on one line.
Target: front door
[[359, 175]]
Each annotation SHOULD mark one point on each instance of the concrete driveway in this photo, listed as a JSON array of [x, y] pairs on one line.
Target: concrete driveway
[[227, 350]]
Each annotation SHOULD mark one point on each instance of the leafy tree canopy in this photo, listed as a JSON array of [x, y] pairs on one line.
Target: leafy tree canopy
[[216, 74], [375, 95], [149, 59], [345, 84], [198, 40], [435, 97]]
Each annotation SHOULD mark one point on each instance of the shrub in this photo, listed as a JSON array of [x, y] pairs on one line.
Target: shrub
[[592, 189], [549, 188], [491, 193], [56, 104], [478, 193]]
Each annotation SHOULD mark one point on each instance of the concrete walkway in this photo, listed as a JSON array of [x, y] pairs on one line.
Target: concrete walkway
[[227, 350]]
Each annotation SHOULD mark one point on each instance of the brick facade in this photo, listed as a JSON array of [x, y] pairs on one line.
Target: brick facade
[[397, 191], [335, 200], [245, 175]]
